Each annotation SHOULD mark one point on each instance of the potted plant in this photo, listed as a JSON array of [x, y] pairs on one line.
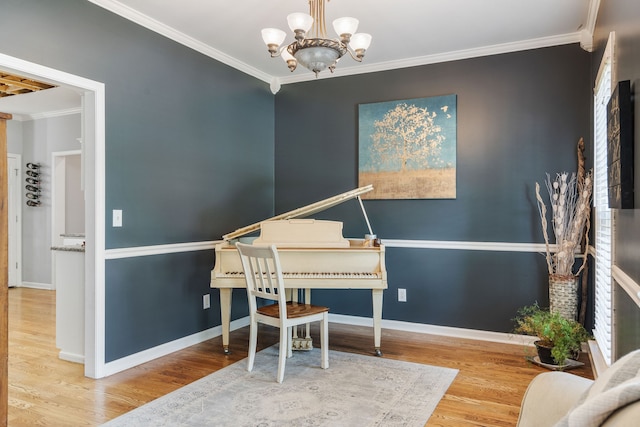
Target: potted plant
[[570, 208], [557, 335]]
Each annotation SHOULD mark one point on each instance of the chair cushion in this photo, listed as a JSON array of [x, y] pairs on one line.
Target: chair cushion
[[294, 310], [617, 387]]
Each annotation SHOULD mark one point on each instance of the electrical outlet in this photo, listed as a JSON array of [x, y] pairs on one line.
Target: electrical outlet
[[402, 295], [206, 301]]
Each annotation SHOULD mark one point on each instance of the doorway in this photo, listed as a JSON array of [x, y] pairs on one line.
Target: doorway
[[93, 137], [67, 198]]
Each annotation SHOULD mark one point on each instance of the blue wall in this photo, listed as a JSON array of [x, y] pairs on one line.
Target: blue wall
[[520, 115], [189, 157], [193, 152]]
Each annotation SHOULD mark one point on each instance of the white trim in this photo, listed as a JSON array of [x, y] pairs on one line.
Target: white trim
[[46, 114], [170, 347], [66, 153], [598, 364], [71, 357], [50, 114], [586, 40], [177, 36], [631, 287], [138, 251], [608, 56], [275, 81], [592, 15], [439, 58], [144, 356], [604, 225], [468, 246], [95, 296], [37, 285], [422, 328], [160, 249], [18, 203], [95, 196]]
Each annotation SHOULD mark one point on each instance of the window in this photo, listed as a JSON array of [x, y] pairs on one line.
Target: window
[[603, 219]]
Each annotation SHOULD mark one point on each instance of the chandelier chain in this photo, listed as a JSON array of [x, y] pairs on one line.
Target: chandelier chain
[[319, 27]]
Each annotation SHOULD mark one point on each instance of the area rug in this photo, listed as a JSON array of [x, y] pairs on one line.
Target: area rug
[[356, 390]]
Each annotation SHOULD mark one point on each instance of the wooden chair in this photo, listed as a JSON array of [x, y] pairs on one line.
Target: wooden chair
[[263, 274]]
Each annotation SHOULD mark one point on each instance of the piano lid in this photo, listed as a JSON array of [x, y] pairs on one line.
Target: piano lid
[[304, 211]]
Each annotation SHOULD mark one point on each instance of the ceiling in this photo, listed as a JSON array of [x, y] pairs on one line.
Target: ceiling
[[25, 97], [11, 85], [405, 33], [32, 105]]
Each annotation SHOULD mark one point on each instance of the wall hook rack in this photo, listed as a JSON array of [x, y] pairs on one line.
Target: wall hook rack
[[33, 184]]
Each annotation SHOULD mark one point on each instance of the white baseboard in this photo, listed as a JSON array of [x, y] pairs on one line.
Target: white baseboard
[[136, 359], [447, 331], [36, 285], [71, 357], [182, 343]]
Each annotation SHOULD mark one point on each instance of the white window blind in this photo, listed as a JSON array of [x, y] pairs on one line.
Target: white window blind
[[603, 225]]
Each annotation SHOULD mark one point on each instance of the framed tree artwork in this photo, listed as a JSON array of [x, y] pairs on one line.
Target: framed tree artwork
[[407, 148], [620, 147]]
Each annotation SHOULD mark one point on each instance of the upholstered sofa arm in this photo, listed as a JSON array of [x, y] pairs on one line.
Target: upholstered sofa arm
[[549, 397]]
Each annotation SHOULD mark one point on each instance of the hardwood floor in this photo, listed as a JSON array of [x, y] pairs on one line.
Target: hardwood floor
[[47, 391]]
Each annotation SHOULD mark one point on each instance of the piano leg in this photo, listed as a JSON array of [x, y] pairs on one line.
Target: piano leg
[[377, 319], [300, 343], [307, 300], [225, 316]]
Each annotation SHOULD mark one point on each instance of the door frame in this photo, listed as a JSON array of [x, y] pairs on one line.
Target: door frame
[[93, 129], [17, 205]]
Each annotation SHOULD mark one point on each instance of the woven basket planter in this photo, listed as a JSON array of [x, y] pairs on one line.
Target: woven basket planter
[[563, 295]]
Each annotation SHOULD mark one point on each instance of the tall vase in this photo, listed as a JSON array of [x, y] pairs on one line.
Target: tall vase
[[563, 295]]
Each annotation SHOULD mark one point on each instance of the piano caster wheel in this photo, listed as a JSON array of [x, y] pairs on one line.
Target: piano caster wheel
[[226, 351], [378, 352]]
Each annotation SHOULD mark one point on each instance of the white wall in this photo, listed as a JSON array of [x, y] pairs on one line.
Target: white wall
[[36, 140], [14, 137], [74, 196]]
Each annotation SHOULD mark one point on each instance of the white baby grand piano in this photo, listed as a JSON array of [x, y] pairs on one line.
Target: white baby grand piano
[[313, 254]]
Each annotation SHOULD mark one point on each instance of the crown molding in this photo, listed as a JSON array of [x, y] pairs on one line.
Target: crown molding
[[586, 40], [50, 114], [179, 37], [275, 82], [589, 29], [20, 117], [47, 114], [441, 57]]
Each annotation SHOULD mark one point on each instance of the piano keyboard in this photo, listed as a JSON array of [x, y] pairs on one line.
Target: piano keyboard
[[321, 275]]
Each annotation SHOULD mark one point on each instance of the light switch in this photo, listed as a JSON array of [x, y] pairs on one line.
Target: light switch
[[117, 217]]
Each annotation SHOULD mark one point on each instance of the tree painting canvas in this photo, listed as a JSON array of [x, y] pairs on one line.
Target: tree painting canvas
[[407, 148]]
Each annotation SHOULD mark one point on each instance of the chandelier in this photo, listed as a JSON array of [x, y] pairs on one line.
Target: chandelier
[[312, 48]]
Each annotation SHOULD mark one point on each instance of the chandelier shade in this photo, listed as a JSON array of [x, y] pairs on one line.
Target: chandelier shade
[[300, 22], [273, 38], [360, 42], [311, 48], [346, 25]]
